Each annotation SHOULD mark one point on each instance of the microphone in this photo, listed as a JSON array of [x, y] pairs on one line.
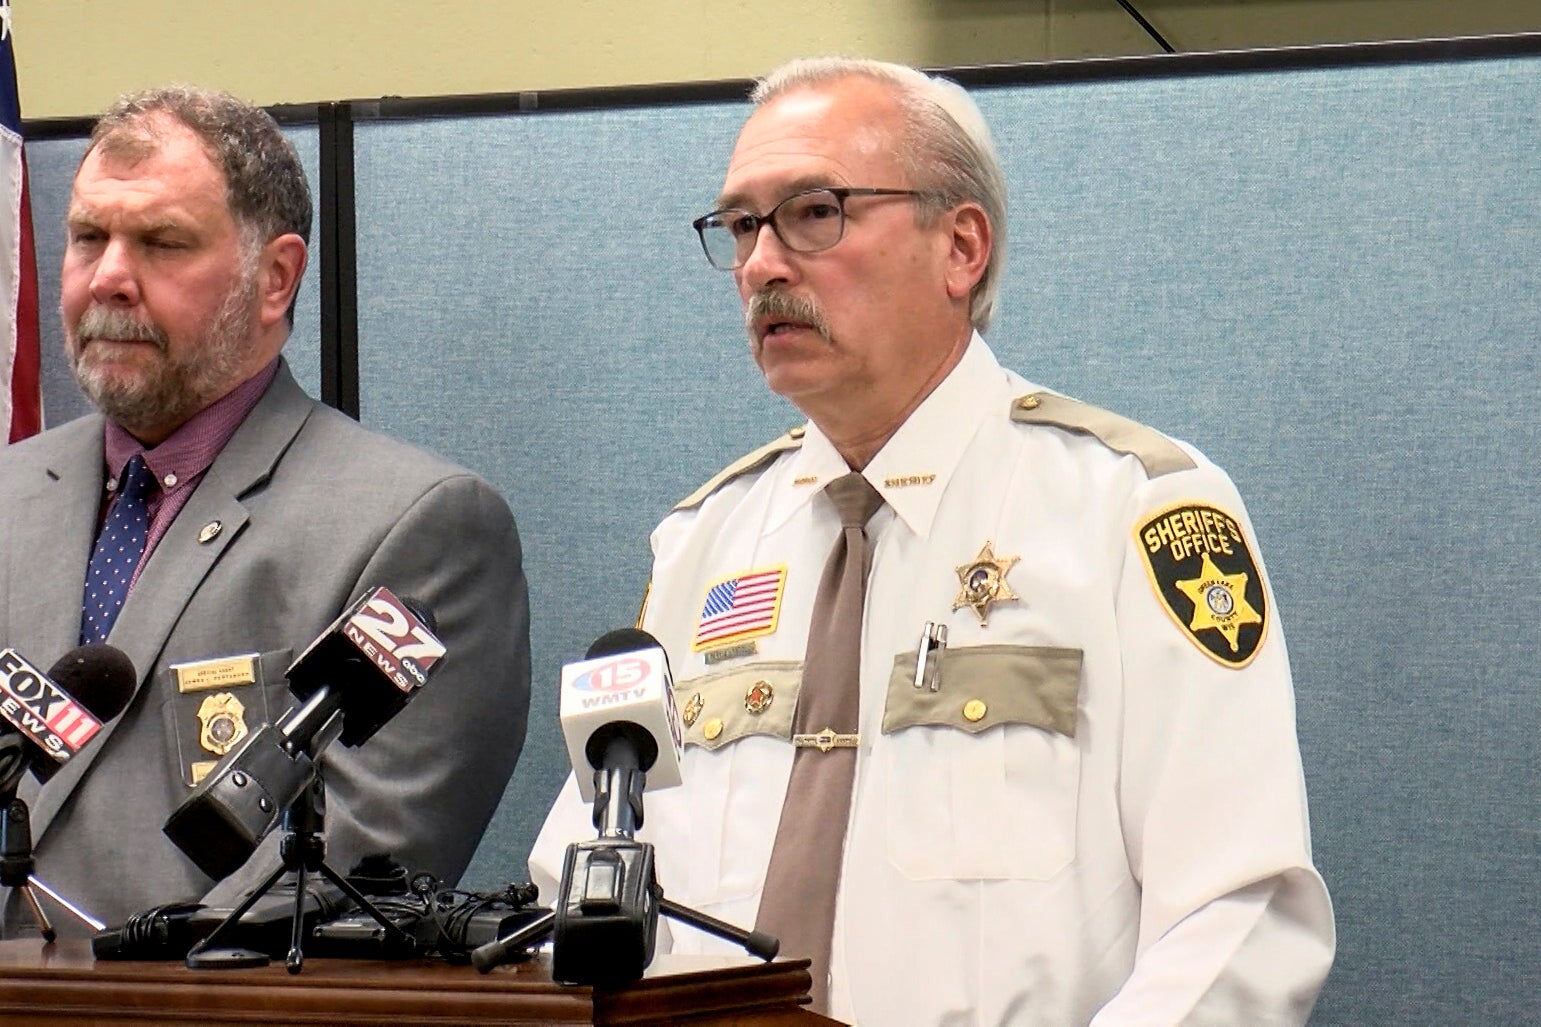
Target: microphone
[[44, 726], [358, 674], [56, 720], [368, 665], [623, 736], [620, 721], [622, 727]]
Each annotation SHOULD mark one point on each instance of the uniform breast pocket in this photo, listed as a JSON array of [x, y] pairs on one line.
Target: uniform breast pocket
[[983, 772]]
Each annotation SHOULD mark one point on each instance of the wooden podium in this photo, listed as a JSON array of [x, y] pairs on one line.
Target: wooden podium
[[63, 984]]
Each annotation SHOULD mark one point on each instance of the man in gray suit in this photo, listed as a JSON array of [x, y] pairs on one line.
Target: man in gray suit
[[266, 514]]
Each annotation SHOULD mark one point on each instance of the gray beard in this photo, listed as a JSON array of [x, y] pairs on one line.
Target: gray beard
[[175, 390]]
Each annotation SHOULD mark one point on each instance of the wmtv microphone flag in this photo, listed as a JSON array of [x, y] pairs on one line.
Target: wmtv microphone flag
[[630, 686], [21, 400]]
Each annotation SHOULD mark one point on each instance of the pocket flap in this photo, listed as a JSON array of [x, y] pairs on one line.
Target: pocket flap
[[727, 705], [982, 686]]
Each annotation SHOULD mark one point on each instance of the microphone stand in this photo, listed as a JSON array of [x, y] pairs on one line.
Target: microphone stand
[[606, 918], [17, 864], [303, 851]]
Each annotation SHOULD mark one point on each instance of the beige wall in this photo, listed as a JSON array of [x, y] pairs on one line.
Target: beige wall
[[73, 56]]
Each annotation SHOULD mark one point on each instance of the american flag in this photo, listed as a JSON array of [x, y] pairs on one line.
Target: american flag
[[744, 606], [21, 403]]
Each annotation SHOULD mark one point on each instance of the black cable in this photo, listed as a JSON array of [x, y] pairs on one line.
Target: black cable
[[1150, 29]]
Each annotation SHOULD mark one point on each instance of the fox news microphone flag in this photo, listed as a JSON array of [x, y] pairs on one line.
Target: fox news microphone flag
[[21, 399]]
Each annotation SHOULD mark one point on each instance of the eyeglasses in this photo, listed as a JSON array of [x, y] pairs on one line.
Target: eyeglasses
[[805, 222]]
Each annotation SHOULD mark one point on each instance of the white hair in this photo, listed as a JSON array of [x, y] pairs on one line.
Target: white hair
[[951, 157]]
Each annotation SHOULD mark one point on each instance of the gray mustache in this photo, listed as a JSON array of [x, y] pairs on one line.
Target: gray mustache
[[102, 323], [778, 305]]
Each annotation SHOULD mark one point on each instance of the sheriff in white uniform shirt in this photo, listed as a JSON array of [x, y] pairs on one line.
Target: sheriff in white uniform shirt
[[1087, 803]]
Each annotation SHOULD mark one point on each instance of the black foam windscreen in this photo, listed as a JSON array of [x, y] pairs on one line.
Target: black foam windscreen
[[98, 676], [421, 612], [621, 640]]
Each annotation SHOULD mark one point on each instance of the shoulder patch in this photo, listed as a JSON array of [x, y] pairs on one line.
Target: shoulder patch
[[743, 465], [1203, 572], [1159, 454]]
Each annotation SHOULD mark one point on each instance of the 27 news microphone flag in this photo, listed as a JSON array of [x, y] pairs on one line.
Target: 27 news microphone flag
[[21, 399]]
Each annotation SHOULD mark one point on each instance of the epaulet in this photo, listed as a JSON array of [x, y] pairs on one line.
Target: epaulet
[[1159, 454], [743, 465]]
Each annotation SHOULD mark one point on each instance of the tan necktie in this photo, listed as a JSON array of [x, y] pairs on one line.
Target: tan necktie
[[798, 904]]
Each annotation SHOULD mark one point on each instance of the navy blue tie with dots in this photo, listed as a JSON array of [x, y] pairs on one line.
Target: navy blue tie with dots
[[119, 549]]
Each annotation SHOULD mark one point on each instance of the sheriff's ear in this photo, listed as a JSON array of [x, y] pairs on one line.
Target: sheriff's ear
[[972, 240]]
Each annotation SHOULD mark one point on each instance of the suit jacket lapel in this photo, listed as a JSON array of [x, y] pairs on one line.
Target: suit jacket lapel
[[181, 562], [50, 539], [51, 528]]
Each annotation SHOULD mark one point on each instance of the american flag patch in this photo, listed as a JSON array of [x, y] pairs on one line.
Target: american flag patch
[[741, 607]]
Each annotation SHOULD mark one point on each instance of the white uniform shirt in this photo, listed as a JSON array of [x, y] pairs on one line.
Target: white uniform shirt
[[1142, 857]]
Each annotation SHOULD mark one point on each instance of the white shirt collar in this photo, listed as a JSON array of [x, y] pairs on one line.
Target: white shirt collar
[[913, 468]]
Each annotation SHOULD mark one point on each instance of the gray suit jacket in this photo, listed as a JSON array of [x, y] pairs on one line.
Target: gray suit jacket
[[312, 510]]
